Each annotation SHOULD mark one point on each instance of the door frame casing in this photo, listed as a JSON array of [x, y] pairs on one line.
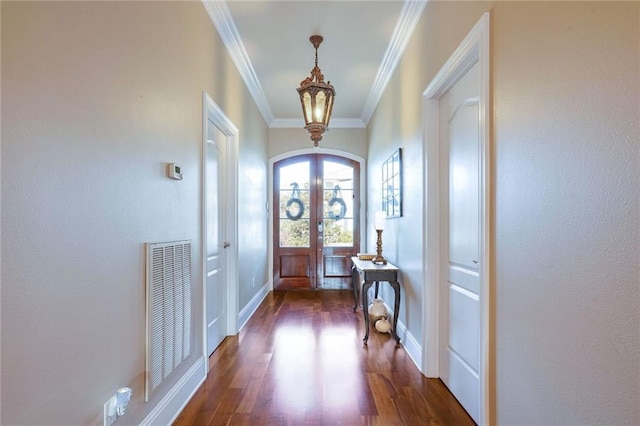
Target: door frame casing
[[475, 48], [210, 110], [305, 151]]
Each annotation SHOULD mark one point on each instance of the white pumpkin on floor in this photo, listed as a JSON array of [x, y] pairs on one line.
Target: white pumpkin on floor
[[383, 325], [377, 310]]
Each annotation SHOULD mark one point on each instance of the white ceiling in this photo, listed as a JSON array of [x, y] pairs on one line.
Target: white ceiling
[[269, 43]]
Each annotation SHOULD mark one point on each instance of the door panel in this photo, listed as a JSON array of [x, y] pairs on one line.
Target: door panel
[[340, 215], [214, 225], [294, 253], [294, 266], [460, 375], [460, 304], [335, 266], [316, 227], [463, 185], [464, 335]]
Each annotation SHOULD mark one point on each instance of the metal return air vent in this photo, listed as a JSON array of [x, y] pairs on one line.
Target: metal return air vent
[[169, 323]]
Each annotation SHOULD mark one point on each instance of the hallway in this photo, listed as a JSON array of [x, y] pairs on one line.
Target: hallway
[[300, 361]]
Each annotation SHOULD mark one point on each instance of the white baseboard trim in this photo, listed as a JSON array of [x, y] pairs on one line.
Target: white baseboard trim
[[253, 304], [170, 407], [408, 341], [410, 344]]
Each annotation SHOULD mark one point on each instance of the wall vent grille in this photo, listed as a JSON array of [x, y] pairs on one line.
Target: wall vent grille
[[168, 310]]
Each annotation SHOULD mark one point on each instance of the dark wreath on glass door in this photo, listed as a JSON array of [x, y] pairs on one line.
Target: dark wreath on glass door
[[296, 212], [337, 206]]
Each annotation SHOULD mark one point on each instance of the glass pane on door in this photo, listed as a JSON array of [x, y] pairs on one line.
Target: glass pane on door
[[294, 205], [338, 204]]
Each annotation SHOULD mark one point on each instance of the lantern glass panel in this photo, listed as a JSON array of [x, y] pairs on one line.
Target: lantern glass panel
[[319, 109], [306, 106], [329, 110]]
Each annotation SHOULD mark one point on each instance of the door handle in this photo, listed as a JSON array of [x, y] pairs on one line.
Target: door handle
[[475, 261], [320, 227], [226, 244]]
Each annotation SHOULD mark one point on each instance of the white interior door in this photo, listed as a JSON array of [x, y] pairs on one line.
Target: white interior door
[[215, 272], [460, 240]]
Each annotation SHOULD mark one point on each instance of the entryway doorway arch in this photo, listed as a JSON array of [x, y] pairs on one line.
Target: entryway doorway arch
[[316, 218]]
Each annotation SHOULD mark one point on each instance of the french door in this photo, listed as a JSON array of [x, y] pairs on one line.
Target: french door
[[316, 224]]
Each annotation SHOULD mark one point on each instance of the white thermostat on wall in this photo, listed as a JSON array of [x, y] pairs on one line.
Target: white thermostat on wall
[[175, 171]]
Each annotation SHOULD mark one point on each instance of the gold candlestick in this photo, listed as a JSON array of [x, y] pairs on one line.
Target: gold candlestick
[[379, 260]]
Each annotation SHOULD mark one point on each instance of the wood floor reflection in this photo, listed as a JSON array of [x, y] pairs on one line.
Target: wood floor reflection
[[300, 360]]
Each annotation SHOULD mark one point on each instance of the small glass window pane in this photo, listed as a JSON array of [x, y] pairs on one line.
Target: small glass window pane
[[338, 204], [294, 233], [338, 233], [294, 205]]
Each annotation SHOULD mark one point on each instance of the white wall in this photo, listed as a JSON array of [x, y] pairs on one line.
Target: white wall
[[566, 122], [97, 97], [252, 213], [283, 140]]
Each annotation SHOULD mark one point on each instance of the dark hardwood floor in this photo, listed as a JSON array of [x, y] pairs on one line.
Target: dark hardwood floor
[[300, 360]]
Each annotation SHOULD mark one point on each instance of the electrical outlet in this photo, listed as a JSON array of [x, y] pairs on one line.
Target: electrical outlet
[[110, 415]]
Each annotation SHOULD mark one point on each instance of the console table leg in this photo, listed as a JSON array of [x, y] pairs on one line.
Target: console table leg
[[365, 288], [354, 284], [396, 308]]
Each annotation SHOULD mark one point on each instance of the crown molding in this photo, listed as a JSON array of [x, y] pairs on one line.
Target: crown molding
[[409, 16], [221, 17], [336, 123], [287, 123]]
